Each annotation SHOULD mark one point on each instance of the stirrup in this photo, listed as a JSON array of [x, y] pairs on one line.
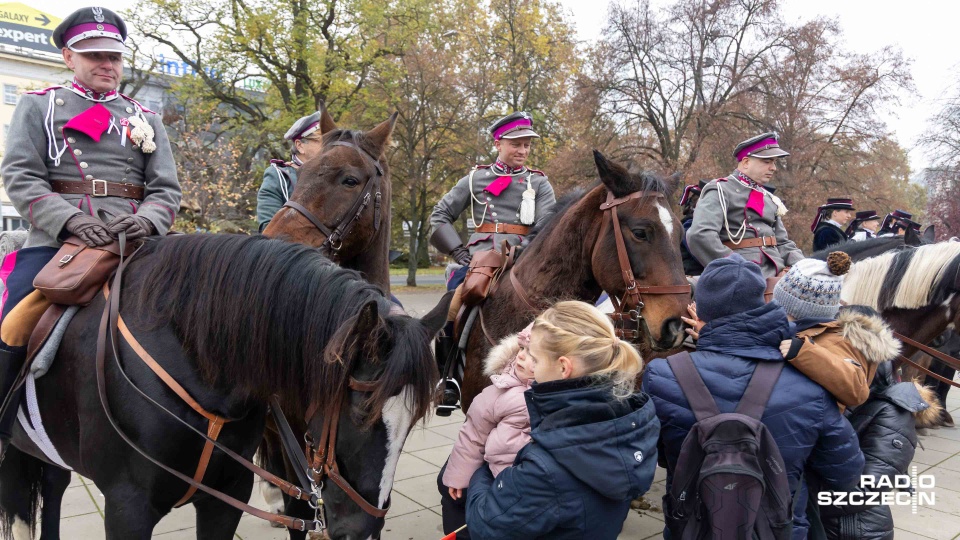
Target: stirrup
[[450, 398]]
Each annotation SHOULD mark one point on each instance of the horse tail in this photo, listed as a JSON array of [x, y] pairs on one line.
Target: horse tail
[[21, 478]]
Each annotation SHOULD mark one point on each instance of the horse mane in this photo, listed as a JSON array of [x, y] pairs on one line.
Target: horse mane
[[257, 314], [563, 204], [910, 278]]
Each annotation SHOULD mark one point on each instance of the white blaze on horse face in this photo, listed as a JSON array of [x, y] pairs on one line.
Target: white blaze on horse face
[[20, 530], [398, 418], [666, 217]]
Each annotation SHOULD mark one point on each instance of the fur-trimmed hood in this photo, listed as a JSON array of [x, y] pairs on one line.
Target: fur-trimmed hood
[[931, 415], [501, 355], [869, 333]]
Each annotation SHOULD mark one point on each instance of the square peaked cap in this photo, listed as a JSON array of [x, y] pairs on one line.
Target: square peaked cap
[[91, 29], [867, 215], [514, 126], [839, 204], [303, 127], [765, 145]]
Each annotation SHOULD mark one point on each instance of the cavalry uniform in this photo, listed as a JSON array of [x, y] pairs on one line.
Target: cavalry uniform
[[827, 232], [737, 214], [281, 176], [897, 221], [494, 195], [688, 204], [856, 231]]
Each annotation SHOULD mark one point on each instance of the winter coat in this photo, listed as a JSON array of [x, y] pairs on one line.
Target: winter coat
[[801, 415], [828, 234], [842, 355], [886, 426], [497, 425], [591, 455], [279, 179]]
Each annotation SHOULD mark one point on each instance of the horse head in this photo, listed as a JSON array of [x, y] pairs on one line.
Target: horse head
[[392, 376], [341, 203], [651, 235]]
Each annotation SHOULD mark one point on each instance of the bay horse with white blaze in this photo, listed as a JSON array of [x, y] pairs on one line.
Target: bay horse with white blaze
[[234, 320], [575, 255]]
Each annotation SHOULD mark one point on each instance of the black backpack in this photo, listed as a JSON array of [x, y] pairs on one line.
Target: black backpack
[[730, 482]]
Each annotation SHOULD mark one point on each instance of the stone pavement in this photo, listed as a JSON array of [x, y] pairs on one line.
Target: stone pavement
[[415, 511]]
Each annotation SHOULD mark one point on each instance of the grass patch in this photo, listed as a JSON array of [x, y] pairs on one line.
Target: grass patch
[[432, 271], [431, 288]]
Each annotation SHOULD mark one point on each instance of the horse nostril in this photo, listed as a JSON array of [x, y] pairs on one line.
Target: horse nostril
[[671, 328]]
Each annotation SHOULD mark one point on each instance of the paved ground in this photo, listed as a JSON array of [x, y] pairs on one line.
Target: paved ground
[[415, 513]]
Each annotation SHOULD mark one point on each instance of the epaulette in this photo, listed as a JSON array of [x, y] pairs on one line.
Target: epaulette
[[137, 103], [44, 91], [541, 173], [278, 162], [487, 166]]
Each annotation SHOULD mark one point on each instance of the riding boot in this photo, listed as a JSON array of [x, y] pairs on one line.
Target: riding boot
[[10, 363], [447, 356]]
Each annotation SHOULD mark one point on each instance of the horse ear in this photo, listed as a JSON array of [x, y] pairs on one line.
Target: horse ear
[[930, 235], [912, 238], [673, 182], [326, 121], [367, 320], [379, 137], [437, 317], [613, 175]]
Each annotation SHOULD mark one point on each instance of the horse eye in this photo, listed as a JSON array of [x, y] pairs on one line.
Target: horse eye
[[639, 234], [351, 181]]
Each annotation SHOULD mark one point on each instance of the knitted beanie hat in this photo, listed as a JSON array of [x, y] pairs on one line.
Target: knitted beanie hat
[[811, 289], [729, 286]]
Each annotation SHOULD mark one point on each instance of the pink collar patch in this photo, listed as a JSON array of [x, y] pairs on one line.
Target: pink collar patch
[[92, 122], [497, 186]]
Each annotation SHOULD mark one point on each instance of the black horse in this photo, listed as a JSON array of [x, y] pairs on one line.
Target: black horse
[[235, 320]]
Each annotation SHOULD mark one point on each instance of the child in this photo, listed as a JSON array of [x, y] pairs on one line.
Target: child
[[497, 426], [594, 440]]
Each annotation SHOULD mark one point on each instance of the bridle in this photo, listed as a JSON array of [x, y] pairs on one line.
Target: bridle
[[324, 464], [335, 235], [627, 315]]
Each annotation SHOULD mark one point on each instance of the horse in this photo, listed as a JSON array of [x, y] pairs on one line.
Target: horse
[[574, 255], [341, 203], [915, 289], [206, 308]]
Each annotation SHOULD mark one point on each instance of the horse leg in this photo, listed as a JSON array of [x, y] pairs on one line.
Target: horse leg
[[55, 484], [941, 389], [21, 476], [271, 459], [217, 520], [129, 515]]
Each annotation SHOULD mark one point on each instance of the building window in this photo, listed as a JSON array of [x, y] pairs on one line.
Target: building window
[[9, 94], [15, 224]]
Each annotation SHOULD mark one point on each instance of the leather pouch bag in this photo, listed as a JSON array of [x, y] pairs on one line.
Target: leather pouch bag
[[482, 273], [77, 272]]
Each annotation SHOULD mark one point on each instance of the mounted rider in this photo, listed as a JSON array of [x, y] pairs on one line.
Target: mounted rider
[[506, 199], [896, 223], [76, 154], [828, 226], [864, 226], [737, 213], [688, 204], [281, 176]]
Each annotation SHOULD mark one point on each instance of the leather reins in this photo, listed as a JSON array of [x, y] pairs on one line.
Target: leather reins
[[334, 237], [627, 310], [946, 359], [310, 491]]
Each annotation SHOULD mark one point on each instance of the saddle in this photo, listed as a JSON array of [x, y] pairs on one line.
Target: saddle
[[485, 270]]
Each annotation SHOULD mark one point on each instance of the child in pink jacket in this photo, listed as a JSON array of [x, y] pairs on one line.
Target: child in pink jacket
[[498, 424]]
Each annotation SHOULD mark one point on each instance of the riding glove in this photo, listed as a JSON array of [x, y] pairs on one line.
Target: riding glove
[[91, 230], [135, 226], [461, 255]]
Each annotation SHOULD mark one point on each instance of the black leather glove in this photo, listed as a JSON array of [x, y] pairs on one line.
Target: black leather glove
[[91, 230], [135, 226], [461, 255]]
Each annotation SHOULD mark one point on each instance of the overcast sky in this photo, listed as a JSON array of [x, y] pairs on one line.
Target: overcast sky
[[926, 30]]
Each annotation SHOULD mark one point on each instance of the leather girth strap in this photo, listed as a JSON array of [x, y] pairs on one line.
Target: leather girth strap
[[109, 324], [214, 422]]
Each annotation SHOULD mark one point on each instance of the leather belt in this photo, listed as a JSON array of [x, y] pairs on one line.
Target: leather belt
[[503, 228], [763, 241], [98, 188]]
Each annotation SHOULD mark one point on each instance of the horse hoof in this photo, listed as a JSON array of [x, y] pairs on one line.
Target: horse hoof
[[945, 419]]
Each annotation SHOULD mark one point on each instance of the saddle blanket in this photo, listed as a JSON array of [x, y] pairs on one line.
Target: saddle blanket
[[29, 412]]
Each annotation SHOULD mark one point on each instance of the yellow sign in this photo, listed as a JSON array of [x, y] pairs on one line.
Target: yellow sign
[[17, 13]]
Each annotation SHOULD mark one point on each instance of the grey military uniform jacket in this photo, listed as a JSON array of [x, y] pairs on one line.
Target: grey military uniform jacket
[[278, 182], [40, 150], [490, 208], [728, 197]]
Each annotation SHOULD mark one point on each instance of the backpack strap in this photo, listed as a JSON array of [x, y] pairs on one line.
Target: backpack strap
[[692, 386], [758, 391]]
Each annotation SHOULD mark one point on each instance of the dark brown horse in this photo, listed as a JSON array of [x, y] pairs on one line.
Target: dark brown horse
[[331, 189], [569, 259]]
